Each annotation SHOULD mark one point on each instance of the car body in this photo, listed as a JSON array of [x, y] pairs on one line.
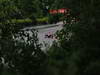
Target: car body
[[49, 35]]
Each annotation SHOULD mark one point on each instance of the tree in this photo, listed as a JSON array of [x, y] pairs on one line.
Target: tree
[[19, 51], [80, 39]]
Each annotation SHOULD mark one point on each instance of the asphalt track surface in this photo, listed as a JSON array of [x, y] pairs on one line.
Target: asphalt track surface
[[45, 30]]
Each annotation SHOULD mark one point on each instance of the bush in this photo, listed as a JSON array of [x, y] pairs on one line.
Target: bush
[[21, 51]]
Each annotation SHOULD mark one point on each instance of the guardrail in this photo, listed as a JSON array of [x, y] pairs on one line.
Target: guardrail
[[41, 27]]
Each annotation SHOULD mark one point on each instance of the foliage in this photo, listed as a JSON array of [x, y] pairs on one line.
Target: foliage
[[8, 10], [79, 40], [20, 52], [75, 53]]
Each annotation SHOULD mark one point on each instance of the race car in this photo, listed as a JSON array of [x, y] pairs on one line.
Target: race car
[[49, 35]]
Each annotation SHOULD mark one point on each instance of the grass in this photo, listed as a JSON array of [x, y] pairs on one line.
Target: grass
[[44, 19], [20, 21]]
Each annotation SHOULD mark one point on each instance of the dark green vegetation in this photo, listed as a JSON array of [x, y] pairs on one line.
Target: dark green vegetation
[[17, 55], [77, 51]]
